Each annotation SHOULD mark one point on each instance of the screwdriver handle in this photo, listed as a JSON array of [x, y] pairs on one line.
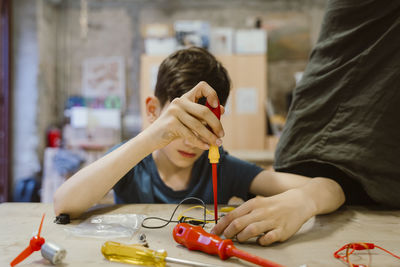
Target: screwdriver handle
[[216, 111], [133, 254], [195, 238]]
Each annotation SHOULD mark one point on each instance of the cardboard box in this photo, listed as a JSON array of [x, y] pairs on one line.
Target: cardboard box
[[245, 124]]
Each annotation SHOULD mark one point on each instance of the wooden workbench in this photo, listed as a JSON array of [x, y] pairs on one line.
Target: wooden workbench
[[313, 245]]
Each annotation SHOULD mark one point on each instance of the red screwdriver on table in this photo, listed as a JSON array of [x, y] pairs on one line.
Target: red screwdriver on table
[[195, 238], [213, 156]]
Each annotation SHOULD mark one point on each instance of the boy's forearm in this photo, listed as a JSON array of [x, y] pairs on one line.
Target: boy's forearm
[[324, 195], [89, 185]]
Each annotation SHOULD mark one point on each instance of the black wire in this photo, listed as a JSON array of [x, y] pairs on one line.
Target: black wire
[[173, 213]]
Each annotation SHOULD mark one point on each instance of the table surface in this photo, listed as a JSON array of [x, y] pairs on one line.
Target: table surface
[[313, 245]]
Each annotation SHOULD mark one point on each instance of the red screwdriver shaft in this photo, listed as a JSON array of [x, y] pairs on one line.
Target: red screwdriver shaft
[[215, 190], [252, 258], [195, 238], [213, 156]]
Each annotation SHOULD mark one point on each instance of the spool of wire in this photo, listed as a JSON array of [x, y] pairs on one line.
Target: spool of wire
[[53, 253]]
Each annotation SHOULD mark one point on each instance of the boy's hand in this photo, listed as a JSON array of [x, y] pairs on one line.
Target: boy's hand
[[185, 118], [271, 219]]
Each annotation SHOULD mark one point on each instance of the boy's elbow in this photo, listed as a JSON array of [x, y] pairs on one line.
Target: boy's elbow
[[61, 206], [58, 205]]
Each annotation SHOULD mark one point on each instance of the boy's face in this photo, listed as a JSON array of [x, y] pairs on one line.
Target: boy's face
[[181, 154]]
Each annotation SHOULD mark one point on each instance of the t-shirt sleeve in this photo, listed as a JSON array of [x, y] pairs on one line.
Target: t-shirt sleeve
[[122, 188], [122, 183], [136, 185], [237, 177]]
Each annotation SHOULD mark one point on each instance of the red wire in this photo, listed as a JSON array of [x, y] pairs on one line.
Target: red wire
[[41, 223], [387, 251]]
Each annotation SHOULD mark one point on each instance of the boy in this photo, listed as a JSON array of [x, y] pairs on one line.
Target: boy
[[168, 161]]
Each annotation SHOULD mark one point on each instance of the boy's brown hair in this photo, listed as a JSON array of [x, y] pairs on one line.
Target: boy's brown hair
[[185, 68]]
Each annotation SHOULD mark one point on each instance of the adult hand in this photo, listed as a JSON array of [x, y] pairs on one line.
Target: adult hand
[[271, 219]]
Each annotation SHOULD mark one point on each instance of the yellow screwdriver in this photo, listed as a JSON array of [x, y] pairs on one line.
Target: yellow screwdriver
[[140, 255]]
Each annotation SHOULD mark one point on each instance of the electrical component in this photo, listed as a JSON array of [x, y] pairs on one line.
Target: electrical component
[[50, 251], [63, 218], [53, 253], [204, 221], [35, 244]]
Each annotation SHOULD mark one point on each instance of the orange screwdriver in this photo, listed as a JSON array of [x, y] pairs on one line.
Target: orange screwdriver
[[195, 238], [140, 255], [213, 156]]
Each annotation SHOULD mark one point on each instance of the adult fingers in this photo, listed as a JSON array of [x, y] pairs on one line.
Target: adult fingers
[[224, 224], [270, 237], [254, 228]]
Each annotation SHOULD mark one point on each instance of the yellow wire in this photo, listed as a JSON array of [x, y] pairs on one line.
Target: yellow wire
[[193, 219]]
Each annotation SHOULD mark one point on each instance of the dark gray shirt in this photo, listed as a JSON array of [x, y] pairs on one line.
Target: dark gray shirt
[[346, 109]]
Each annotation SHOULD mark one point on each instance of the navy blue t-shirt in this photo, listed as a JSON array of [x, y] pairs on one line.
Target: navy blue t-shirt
[[142, 184]]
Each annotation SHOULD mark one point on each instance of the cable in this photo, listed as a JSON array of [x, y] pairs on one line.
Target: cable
[[352, 247], [364, 246], [181, 218], [192, 220], [387, 251]]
